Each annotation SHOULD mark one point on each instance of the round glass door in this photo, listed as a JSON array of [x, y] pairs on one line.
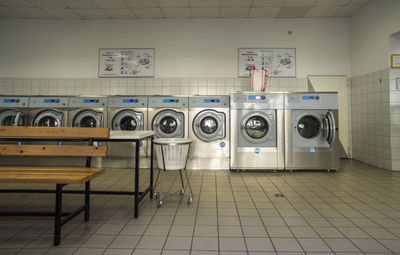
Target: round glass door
[[256, 127], [168, 125], [88, 121], [128, 123], [48, 121], [308, 127], [209, 125], [7, 121]]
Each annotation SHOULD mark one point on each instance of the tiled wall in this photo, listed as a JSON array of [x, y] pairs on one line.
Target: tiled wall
[[140, 86], [371, 120], [395, 117]]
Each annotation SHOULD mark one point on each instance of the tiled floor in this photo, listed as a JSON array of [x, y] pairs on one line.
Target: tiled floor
[[353, 211]]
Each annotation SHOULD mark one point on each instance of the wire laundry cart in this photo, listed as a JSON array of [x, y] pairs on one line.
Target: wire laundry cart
[[172, 155]]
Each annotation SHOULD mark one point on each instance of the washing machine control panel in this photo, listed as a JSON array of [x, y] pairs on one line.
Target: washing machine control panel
[[93, 102], [209, 102], [125, 102], [256, 98], [168, 102], [311, 100], [14, 101], [48, 102]]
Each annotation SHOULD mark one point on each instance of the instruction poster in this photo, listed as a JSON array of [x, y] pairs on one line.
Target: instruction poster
[[126, 63], [278, 62]]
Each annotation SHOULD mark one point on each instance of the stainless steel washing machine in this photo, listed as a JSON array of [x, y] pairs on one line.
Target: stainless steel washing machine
[[168, 115], [48, 111], [311, 131], [14, 110], [127, 113], [88, 111], [209, 130], [257, 136]]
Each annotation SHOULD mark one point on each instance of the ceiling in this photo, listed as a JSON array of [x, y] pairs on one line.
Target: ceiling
[[160, 9]]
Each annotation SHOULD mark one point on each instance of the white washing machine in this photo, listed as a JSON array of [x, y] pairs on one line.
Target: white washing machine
[[168, 116], [257, 136], [88, 111], [127, 113], [209, 131], [14, 110], [311, 131], [48, 111]]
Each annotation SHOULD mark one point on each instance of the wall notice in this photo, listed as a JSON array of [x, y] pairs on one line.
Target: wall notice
[[278, 62], [126, 63]]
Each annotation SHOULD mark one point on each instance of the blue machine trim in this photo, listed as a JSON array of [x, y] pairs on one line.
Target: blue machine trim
[[51, 101], [130, 100], [167, 100], [256, 97], [90, 100], [306, 98], [211, 100], [10, 100]]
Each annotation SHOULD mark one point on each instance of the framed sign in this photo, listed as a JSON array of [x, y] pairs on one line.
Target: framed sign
[[395, 61], [126, 63], [278, 62]]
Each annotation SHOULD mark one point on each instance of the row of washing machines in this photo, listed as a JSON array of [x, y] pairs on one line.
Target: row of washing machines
[[243, 131]]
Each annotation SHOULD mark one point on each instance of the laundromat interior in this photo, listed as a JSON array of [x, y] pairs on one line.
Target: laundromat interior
[[257, 181]]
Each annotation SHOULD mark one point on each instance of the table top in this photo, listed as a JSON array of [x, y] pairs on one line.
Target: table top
[[130, 135]]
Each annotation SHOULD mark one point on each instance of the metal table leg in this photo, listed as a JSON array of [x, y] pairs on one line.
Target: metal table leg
[[136, 210], [151, 169]]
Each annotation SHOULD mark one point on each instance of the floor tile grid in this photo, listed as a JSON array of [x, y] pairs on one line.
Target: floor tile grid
[[350, 220], [312, 227]]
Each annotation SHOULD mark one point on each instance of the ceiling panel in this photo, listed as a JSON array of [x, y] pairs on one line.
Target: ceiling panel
[[331, 2], [8, 12], [322, 11], [173, 3], [63, 13], [205, 3], [358, 2], [176, 13], [142, 3], [48, 3], [16, 3], [148, 13], [81, 4], [110, 4], [236, 3], [241, 12], [205, 12], [263, 12], [125, 13], [292, 12], [348, 10], [91, 13], [34, 13], [268, 2], [298, 3]]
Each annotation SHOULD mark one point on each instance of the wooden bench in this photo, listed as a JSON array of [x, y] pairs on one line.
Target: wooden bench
[[13, 143]]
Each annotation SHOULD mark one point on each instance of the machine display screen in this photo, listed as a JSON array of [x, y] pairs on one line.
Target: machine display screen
[[310, 97], [91, 100], [211, 100], [130, 100], [11, 100], [256, 97], [51, 101], [167, 100]]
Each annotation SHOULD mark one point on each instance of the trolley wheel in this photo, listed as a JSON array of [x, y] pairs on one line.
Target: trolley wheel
[[156, 195], [190, 200], [159, 203], [182, 191]]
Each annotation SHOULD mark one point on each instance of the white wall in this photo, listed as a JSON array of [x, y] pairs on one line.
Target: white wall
[[184, 48], [370, 36]]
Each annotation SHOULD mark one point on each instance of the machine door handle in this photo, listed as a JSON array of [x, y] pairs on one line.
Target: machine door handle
[[332, 127], [326, 129]]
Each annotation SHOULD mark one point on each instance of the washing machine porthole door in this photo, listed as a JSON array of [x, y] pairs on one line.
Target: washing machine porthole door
[[128, 123], [209, 125], [257, 127], [88, 118], [168, 124], [7, 117], [48, 119], [88, 121], [308, 127]]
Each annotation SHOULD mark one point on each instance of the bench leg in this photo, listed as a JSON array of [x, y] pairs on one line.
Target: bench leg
[[57, 216], [87, 200]]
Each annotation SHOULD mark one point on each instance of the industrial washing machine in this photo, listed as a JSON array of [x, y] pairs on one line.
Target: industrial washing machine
[[14, 110], [88, 111], [48, 111], [209, 131], [127, 113], [311, 131], [167, 116], [257, 136]]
